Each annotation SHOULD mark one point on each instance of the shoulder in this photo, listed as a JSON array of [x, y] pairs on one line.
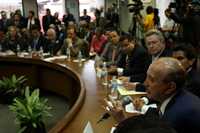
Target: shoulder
[[186, 103]]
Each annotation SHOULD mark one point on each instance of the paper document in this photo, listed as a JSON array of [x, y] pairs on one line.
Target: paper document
[[88, 128], [123, 91]]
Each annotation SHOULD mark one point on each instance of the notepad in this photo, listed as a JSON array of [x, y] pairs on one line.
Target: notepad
[[122, 91]]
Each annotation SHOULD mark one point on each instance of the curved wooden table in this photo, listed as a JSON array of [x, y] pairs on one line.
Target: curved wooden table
[[78, 116], [51, 77], [92, 108]]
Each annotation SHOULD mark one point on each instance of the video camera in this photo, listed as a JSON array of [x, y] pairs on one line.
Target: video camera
[[181, 6], [135, 6]]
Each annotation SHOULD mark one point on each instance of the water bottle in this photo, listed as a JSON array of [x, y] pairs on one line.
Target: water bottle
[[104, 74], [68, 52], [18, 50], [80, 58], [41, 53], [114, 87], [0, 48], [30, 51]]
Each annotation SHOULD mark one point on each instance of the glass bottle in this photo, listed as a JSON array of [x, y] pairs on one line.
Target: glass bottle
[[80, 58], [104, 74], [114, 88]]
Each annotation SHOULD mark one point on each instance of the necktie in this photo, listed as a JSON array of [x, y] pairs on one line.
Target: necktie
[[113, 55]]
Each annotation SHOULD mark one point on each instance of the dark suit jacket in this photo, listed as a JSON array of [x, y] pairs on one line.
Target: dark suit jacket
[[183, 112], [46, 23], [42, 42], [137, 64], [166, 53], [37, 22]]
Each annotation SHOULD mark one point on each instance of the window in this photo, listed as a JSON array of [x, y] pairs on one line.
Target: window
[[10, 6]]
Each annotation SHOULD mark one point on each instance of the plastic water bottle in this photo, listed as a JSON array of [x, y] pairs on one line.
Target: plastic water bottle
[[0, 48], [80, 58], [30, 51], [18, 50], [114, 88], [68, 52], [104, 74], [41, 53]]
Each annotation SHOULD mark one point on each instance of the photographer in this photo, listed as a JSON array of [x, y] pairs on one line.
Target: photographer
[[190, 22], [148, 21]]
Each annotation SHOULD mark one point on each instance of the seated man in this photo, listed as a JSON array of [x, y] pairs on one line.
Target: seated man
[[165, 82], [75, 44], [38, 40], [143, 124], [156, 46], [53, 44], [112, 49], [186, 54], [134, 60]]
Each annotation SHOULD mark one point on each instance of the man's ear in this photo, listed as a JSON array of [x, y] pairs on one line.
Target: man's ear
[[171, 88]]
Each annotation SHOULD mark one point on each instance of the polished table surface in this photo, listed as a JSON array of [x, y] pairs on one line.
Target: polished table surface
[[92, 108]]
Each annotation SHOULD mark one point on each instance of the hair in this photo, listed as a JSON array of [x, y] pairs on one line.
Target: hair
[[125, 36], [100, 30], [144, 124], [149, 9], [52, 31], [35, 27], [175, 71], [155, 32], [188, 50]]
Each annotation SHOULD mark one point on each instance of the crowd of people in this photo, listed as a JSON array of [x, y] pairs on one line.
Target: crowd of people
[[167, 69]]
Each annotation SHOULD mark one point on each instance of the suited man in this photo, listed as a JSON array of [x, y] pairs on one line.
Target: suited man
[[186, 54], [180, 108], [155, 44], [4, 23], [38, 40], [47, 20], [31, 20], [164, 82], [112, 49], [53, 45], [85, 17], [134, 60]]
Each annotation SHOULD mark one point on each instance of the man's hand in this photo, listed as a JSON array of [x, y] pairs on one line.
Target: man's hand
[[115, 109]]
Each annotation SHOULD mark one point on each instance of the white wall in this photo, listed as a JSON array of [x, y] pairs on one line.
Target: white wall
[[73, 6], [30, 5], [162, 5]]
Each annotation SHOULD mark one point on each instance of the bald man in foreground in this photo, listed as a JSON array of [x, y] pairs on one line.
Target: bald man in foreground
[[164, 82]]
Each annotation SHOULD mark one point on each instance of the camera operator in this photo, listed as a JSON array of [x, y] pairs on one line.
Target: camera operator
[[148, 21], [189, 21]]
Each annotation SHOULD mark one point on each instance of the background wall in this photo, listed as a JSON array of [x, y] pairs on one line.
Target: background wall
[[30, 5], [73, 6]]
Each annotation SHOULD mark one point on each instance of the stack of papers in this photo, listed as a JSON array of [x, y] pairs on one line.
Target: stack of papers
[[122, 91]]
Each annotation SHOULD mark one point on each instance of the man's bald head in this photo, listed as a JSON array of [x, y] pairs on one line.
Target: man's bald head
[[164, 77], [170, 69]]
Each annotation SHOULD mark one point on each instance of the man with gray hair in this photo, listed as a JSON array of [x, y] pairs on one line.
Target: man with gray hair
[[164, 82], [180, 108], [53, 44], [155, 43]]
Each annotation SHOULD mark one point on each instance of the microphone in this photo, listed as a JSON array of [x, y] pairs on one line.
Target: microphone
[[104, 117]]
